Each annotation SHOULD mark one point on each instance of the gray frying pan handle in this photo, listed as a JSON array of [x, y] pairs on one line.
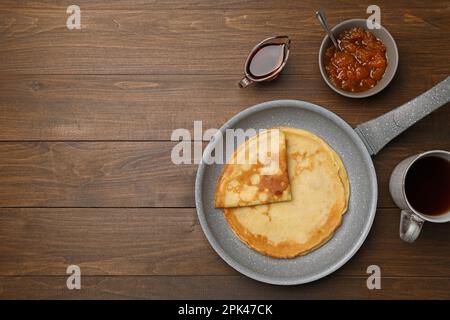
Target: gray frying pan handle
[[378, 132]]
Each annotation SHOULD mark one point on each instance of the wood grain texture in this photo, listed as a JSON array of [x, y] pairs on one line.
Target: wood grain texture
[[127, 174], [151, 107], [163, 241], [93, 174], [85, 122], [36, 41], [220, 287], [306, 5]]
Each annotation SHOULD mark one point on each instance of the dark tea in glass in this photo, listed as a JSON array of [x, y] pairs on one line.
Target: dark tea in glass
[[427, 185]]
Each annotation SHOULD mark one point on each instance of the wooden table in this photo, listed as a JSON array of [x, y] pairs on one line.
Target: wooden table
[[86, 118]]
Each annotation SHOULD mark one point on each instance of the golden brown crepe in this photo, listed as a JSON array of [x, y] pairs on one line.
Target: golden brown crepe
[[256, 173], [320, 193]]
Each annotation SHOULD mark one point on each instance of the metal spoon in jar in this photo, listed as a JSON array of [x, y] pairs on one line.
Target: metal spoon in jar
[[323, 21]]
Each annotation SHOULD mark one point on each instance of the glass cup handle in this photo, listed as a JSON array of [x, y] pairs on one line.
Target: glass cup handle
[[410, 226], [244, 82]]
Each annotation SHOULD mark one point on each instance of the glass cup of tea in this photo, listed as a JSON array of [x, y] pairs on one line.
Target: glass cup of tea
[[266, 60], [420, 187]]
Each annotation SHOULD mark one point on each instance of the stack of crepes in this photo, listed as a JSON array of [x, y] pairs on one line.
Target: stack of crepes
[[291, 201]]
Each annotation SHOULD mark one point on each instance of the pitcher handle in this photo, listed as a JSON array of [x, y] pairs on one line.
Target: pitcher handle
[[244, 82]]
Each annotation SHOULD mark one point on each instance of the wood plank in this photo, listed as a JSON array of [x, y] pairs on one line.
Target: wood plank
[[151, 107], [126, 174], [223, 4], [36, 41], [232, 287], [170, 242], [94, 174]]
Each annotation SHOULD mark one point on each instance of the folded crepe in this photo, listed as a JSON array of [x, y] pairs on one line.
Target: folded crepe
[[320, 195], [256, 173]]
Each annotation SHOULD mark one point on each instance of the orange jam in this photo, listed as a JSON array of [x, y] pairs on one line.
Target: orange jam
[[360, 63]]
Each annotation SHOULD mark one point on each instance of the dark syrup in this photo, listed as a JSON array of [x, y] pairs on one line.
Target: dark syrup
[[267, 60], [427, 185]]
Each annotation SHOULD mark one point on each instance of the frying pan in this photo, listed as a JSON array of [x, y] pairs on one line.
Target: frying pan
[[355, 146]]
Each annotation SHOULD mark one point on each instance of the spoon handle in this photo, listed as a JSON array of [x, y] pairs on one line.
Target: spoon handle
[[323, 21]]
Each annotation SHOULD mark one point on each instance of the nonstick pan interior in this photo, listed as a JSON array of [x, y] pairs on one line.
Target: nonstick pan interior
[[356, 222]]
